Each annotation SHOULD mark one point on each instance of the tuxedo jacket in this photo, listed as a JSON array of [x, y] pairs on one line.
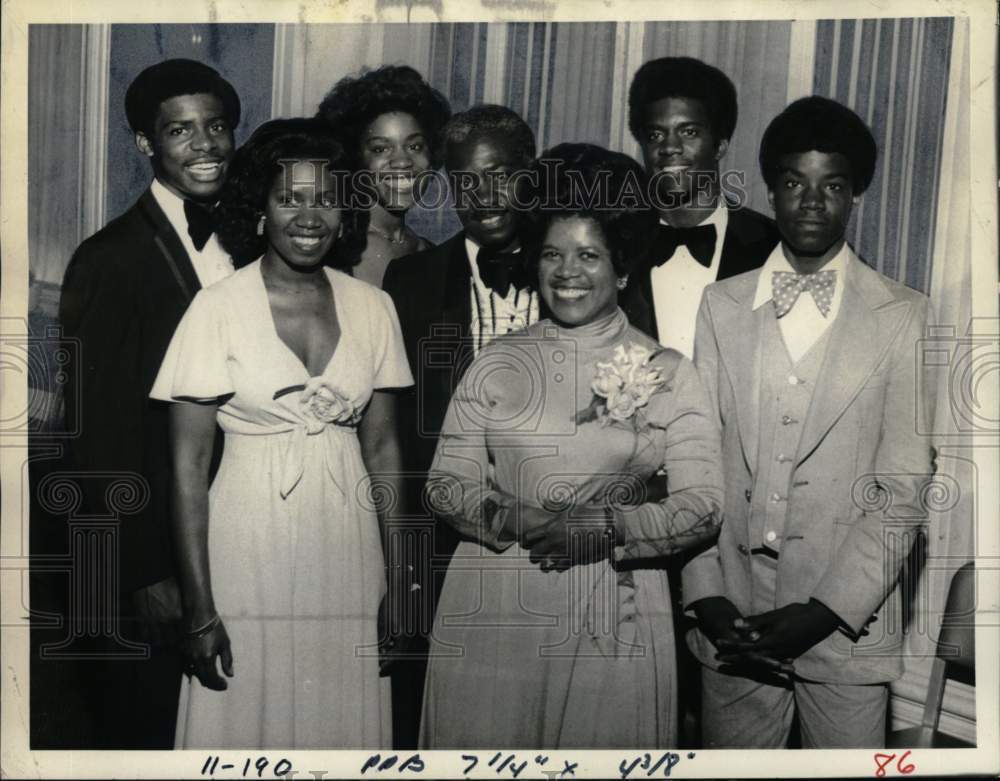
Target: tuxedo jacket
[[124, 292], [748, 241], [432, 293], [855, 495]]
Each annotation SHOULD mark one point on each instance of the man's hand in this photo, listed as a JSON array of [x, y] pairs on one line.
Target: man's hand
[[722, 623], [158, 610], [783, 634]]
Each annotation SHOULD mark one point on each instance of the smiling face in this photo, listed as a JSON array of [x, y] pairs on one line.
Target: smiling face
[[576, 276], [677, 140], [190, 146], [483, 191], [302, 215], [394, 149], [812, 202]]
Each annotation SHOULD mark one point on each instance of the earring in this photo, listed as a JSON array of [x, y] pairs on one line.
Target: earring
[[622, 282], [260, 225]]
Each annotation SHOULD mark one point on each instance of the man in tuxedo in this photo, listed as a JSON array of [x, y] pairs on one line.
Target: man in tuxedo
[[124, 292], [452, 300], [810, 362], [683, 113]]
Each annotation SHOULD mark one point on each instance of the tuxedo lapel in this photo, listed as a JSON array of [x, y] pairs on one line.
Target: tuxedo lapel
[[868, 321], [738, 330], [169, 246], [456, 309]]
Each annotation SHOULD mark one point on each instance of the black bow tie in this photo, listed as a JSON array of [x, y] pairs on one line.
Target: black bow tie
[[700, 241], [201, 223], [500, 270]]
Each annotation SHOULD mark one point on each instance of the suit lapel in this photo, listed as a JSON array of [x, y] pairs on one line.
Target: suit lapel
[[738, 333], [866, 325], [456, 309], [170, 247]]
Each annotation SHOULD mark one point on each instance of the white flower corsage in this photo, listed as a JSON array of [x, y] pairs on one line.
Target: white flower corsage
[[622, 386]]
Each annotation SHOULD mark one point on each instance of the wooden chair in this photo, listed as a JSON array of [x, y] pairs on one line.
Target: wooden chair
[[955, 658]]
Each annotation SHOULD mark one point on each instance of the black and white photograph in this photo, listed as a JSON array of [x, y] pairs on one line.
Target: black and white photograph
[[501, 389]]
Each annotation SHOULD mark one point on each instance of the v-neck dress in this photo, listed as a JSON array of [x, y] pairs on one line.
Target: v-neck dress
[[294, 551]]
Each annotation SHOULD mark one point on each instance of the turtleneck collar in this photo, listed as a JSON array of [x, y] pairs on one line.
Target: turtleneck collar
[[597, 334]]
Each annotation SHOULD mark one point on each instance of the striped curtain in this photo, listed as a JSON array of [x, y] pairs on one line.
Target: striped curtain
[[568, 80], [892, 72]]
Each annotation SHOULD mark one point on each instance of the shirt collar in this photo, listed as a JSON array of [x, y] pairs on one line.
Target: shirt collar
[[719, 218], [777, 261], [172, 206]]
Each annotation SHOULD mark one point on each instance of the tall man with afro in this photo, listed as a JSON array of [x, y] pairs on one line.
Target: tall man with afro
[[124, 292]]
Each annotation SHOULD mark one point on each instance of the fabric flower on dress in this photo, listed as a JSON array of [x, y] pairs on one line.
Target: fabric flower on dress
[[623, 385], [322, 403]]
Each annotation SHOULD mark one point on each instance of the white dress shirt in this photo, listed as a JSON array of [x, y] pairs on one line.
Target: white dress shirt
[[212, 263], [678, 285], [492, 314], [804, 324]]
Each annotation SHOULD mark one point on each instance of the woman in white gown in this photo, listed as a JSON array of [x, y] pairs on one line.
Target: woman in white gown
[[281, 562]]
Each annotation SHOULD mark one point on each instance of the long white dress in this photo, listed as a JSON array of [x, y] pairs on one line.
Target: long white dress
[[294, 550]]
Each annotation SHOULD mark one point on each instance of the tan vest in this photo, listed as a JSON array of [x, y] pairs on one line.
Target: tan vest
[[786, 390]]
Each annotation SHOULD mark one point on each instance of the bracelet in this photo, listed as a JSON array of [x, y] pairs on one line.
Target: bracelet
[[201, 631]]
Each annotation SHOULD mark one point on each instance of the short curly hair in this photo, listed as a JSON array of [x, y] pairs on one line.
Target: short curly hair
[[171, 78], [252, 172], [567, 177], [822, 125], [491, 121], [683, 77], [357, 101]]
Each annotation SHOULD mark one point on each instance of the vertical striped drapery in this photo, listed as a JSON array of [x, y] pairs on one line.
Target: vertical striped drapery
[[67, 153], [568, 80], [893, 72]]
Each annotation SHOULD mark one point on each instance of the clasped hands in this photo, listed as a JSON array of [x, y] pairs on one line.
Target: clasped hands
[[559, 540], [768, 642]]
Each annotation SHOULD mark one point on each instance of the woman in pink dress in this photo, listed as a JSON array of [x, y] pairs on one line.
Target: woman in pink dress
[[280, 561]]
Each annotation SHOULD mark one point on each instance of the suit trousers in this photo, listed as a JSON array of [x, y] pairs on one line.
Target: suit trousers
[[744, 712]]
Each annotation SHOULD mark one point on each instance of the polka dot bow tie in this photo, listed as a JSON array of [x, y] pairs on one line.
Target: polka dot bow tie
[[787, 286]]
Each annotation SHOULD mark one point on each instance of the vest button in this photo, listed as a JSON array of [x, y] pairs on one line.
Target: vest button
[[770, 536], [793, 380], [743, 549], [785, 420]]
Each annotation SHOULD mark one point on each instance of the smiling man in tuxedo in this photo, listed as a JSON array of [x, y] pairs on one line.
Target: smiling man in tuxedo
[[683, 113], [124, 292]]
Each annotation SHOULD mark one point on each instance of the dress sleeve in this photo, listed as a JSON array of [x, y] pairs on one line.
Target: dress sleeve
[[460, 486], [392, 370], [195, 367], [691, 512]]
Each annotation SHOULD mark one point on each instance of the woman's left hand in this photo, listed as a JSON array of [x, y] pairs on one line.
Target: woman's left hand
[[562, 542]]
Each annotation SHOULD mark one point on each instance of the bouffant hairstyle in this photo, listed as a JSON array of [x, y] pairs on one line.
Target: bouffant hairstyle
[[252, 173], [171, 78], [584, 180], [683, 77], [494, 122], [357, 101], [821, 125]]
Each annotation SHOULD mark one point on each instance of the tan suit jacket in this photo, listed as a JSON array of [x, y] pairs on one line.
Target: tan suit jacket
[[856, 501]]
